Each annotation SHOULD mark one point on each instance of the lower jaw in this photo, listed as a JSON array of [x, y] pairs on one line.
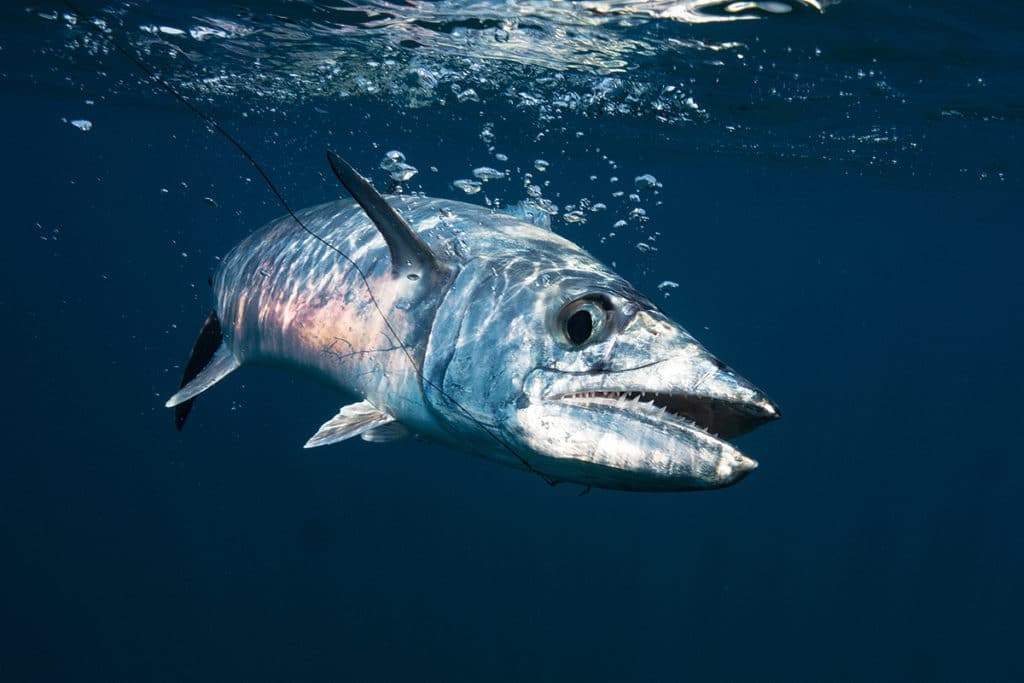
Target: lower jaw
[[592, 445]]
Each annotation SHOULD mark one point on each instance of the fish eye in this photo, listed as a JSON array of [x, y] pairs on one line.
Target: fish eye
[[583, 320]]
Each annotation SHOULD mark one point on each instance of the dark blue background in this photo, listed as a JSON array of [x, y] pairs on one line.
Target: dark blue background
[[879, 540]]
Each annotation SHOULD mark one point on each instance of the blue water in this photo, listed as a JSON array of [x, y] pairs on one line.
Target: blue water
[[840, 209]]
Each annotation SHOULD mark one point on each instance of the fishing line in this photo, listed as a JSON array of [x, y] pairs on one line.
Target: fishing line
[[213, 123]]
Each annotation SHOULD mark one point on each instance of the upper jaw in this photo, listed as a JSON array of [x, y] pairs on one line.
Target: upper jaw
[[694, 387], [719, 417]]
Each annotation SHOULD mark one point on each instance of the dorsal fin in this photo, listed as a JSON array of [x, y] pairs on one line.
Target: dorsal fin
[[410, 256]]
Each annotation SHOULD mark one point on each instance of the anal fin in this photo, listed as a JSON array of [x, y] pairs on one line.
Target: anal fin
[[352, 420], [210, 362]]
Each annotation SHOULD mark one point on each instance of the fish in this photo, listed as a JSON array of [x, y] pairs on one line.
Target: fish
[[482, 331]]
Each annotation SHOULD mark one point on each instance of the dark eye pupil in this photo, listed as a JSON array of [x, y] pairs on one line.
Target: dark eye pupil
[[579, 327]]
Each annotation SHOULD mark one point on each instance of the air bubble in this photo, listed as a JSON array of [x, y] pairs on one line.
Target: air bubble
[[403, 172], [486, 173], [645, 182], [468, 186], [392, 159], [394, 163]]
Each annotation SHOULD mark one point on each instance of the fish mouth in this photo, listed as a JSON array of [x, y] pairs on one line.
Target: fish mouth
[[654, 426], [720, 418], [641, 440]]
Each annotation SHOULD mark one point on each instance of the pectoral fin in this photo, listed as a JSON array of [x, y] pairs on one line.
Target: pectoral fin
[[352, 420]]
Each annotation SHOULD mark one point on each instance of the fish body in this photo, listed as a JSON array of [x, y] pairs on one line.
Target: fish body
[[481, 331]]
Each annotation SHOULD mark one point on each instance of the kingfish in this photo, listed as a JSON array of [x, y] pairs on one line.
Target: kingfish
[[479, 330]]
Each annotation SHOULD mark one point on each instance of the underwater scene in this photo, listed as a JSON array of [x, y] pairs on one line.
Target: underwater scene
[[512, 340]]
